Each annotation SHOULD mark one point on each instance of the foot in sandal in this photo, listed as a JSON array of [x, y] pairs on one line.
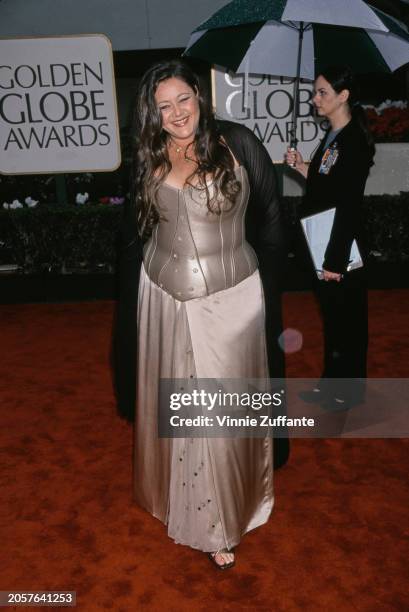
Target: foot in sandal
[[223, 559]]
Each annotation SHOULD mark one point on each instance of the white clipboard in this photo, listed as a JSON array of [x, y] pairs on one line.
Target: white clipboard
[[317, 230]]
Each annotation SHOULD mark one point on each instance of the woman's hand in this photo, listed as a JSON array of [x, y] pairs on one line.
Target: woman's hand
[[293, 158], [331, 276]]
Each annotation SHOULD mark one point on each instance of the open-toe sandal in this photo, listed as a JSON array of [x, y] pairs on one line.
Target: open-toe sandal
[[223, 566]]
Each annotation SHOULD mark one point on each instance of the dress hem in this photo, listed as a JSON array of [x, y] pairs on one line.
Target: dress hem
[[250, 527]]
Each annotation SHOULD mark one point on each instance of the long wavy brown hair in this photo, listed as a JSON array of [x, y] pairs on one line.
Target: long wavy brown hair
[[151, 160]]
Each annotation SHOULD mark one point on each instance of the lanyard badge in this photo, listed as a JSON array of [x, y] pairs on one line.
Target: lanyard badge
[[329, 158]]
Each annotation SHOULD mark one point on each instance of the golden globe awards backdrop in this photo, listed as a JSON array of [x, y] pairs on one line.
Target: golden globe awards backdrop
[[268, 109], [58, 110]]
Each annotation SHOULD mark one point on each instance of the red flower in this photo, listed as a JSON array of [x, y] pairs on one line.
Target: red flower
[[392, 125]]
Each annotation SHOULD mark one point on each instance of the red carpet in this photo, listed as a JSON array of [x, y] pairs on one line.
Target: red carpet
[[337, 539]]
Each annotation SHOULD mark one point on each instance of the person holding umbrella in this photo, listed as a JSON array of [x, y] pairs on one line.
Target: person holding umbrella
[[336, 177], [203, 235]]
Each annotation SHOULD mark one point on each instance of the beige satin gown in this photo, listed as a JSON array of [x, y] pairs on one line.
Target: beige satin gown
[[200, 314]]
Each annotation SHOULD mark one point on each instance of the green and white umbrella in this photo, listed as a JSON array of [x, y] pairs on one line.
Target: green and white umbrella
[[298, 38]]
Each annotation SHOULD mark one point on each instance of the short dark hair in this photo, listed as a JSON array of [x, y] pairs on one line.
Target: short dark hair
[[340, 77]]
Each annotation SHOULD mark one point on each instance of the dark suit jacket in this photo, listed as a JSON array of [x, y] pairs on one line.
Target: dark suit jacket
[[263, 231], [342, 188]]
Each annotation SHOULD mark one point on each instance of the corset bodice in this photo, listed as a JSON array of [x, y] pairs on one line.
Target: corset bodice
[[194, 252]]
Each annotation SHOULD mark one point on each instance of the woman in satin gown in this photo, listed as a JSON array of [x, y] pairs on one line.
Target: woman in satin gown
[[201, 309]]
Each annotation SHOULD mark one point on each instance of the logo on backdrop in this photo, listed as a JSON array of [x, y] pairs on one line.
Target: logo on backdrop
[[58, 109], [268, 111]]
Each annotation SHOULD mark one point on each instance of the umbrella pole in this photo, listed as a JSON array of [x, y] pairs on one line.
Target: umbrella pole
[[294, 141]]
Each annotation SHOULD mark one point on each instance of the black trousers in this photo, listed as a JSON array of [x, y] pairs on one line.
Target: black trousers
[[344, 309]]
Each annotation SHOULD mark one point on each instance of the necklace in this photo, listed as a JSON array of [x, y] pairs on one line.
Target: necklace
[[179, 149]]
